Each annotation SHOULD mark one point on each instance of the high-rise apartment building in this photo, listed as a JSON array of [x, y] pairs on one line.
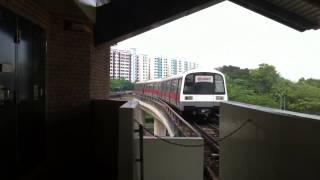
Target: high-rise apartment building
[[134, 65], [164, 68], [157, 68], [143, 67], [120, 64], [180, 67], [174, 67], [127, 65]]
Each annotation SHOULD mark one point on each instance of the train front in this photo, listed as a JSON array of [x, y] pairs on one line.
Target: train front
[[202, 92]]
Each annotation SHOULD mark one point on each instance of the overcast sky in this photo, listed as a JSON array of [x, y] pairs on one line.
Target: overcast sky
[[227, 34]]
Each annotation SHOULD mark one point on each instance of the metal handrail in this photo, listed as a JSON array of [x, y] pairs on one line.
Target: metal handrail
[[182, 125]]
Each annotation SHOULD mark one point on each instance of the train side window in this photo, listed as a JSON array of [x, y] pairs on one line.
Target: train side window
[[167, 85], [161, 87], [188, 84], [174, 85], [189, 80], [219, 85]]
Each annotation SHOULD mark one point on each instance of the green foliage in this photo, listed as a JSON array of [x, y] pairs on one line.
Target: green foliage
[[121, 85], [148, 119], [235, 72], [264, 78], [264, 86]]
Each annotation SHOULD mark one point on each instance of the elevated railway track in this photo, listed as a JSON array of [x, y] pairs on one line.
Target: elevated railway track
[[191, 126]]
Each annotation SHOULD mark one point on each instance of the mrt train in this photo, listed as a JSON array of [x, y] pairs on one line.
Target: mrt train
[[197, 91]]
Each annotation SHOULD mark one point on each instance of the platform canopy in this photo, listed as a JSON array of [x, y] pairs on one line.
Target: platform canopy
[[116, 20], [298, 14]]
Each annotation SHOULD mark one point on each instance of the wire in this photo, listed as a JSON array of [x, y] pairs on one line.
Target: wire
[[235, 131], [168, 142]]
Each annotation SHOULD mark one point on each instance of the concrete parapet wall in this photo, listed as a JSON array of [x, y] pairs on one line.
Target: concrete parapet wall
[[163, 161], [272, 144]]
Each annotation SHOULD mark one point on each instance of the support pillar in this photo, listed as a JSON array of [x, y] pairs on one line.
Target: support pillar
[[159, 128], [140, 116]]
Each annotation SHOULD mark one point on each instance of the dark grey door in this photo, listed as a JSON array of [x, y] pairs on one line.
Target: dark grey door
[[7, 93], [22, 129], [30, 95]]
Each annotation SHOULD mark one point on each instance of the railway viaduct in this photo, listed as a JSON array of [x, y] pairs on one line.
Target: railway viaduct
[[54, 78]]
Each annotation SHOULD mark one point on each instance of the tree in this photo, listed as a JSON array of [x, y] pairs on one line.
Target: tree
[[264, 86], [281, 90], [234, 72], [264, 77], [121, 85]]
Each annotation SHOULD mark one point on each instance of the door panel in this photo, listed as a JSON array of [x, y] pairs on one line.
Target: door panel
[[22, 129], [31, 135], [7, 92]]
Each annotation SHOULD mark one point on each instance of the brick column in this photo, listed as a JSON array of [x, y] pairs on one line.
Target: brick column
[[100, 72]]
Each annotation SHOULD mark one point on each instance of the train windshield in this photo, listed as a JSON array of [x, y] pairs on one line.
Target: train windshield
[[204, 83]]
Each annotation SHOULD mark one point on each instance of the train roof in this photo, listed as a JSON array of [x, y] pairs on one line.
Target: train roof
[[150, 81], [196, 70]]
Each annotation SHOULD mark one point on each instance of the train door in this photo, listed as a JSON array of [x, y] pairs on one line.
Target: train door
[[152, 89], [173, 92], [157, 89], [168, 91], [144, 89], [178, 92], [163, 90]]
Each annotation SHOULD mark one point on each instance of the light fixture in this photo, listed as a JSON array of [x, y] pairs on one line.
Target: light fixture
[[94, 3]]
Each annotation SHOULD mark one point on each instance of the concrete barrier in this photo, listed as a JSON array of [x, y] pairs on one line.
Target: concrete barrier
[[272, 144], [161, 160], [165, 161]]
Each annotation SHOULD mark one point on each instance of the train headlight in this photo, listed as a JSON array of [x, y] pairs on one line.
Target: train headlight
[[188, 98], [220, 98]]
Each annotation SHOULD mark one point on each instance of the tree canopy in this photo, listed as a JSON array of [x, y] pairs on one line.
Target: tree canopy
[[121, 85], [264, 86]]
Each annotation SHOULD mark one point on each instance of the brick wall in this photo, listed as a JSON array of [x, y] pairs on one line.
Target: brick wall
[[99, 75], [68, 68]]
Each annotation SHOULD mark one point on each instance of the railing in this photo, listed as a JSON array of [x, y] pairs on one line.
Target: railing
[[181, 126], [113, 95], [153, 151]]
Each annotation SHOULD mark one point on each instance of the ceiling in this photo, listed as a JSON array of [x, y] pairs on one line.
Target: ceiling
[[298, 14], [120, 19]]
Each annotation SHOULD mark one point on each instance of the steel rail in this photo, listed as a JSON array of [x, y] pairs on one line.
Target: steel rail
[[213, 142], [212, 147]]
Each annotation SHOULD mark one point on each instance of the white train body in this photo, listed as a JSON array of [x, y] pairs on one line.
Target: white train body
[[196, 91]]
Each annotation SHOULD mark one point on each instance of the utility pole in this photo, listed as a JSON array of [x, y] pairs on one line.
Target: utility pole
[[284, 102], [280, 107]]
